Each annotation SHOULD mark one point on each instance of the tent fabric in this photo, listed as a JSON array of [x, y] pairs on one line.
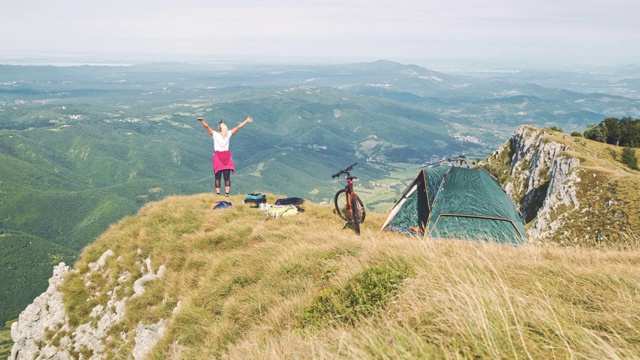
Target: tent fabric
[[459, 203]]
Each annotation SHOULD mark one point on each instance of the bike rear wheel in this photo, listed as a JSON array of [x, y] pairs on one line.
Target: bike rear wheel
[[340, 202]]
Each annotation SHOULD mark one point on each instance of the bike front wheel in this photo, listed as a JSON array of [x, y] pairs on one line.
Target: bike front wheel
[[340, 202], [358, 212]]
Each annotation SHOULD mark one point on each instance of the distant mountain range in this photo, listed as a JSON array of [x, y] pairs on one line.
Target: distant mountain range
[[81, 147]]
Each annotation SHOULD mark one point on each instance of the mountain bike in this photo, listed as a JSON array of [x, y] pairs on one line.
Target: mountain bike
[[348, 205]]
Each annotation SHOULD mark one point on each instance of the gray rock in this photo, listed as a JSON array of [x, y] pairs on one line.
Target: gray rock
[[146, 338], [46, 313], [46, 318], [542, 178]]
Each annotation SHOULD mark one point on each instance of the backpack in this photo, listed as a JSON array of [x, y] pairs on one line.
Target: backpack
[[277, 211], [221, 205], [290, 201], [255, 198]]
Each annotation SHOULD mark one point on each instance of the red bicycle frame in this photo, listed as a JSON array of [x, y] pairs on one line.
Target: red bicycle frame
[[346, 199]]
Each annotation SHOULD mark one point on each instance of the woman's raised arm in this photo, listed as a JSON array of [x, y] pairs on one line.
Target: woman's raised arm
[[247, 120], [206, 126]]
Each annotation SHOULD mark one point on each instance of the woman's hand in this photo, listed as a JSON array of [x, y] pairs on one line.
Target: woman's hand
[[249, 119]]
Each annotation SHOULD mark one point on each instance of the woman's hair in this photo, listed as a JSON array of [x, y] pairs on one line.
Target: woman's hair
[[222, 129]]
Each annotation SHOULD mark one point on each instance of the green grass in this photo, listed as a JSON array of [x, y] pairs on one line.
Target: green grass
[[6, 343], [360, 297]]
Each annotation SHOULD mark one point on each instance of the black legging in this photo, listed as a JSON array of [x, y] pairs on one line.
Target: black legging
[[227, 177]]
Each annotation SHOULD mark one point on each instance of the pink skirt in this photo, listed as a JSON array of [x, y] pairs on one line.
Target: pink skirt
[[222, 161]]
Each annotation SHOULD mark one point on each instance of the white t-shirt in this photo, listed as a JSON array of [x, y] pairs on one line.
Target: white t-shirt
[[221, 143]]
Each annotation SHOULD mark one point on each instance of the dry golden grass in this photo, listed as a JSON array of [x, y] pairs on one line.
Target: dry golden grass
[[610, 191], [243, 284]]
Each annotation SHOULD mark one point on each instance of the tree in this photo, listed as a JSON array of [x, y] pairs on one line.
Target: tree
[[623, 132], [630, 130], [612, 129], [595, 132], [629, 158]]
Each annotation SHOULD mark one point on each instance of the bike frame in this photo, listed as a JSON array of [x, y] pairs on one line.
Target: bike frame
[[350, 194]]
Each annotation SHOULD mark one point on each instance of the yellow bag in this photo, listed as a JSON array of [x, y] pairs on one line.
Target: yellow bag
[[282, 210]]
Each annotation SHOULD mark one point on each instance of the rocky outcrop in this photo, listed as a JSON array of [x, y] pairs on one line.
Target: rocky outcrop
[[46, 313], [146, 338], [43, 330], [542, 180], [570, 191], [560, 194]]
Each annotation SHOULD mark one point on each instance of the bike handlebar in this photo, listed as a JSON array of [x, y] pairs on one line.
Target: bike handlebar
[[345, 171]]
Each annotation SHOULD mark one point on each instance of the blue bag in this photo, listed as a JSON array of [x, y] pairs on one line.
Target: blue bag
[[221, 205], [255, 198], [290, 201]]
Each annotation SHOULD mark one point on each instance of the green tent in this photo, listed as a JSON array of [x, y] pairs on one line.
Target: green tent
[[457, 203]]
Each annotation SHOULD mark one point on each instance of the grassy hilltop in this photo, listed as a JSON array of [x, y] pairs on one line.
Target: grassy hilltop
[[237, 286]]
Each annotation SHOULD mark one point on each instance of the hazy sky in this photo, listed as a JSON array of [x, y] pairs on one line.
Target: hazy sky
[[591, 32]]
